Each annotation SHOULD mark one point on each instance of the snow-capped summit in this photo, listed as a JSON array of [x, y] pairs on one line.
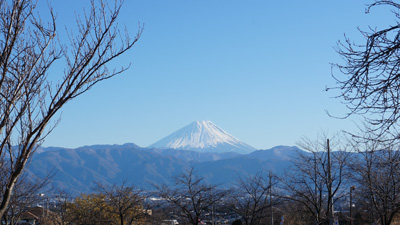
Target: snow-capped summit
[[203, 136]]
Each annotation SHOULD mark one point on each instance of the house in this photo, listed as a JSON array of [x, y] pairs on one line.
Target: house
[[38, 215]]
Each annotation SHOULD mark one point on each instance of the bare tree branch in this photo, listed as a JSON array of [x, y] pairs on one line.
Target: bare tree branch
[[28, 49], [369, 81], [191, 196]]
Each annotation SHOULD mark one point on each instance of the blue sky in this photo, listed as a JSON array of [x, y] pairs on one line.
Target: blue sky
[[257, 69]]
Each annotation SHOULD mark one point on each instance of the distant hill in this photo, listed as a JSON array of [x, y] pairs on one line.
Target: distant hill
[[78, 169]]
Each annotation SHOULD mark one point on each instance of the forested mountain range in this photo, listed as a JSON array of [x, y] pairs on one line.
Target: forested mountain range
[[76, 170]]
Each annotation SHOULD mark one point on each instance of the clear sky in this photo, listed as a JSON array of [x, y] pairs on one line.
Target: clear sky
[[258, 69]]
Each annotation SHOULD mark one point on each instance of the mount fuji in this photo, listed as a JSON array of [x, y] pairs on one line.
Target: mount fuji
[[203, 136]]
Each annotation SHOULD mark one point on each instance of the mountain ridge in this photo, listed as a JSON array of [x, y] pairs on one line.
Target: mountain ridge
[[76, 170]]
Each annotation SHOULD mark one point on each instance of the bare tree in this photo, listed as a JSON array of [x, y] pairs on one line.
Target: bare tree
[[192, 196], [377, 176], [297, 214], [314, 181], [25, 194], [59, 215], [125, 202], [370, 85], [250, 199], [28, 49]]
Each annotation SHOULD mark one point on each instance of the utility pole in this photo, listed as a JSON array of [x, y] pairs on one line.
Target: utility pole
[[212, 207], [316, 190], [351, 204], [270, 198], [330, 197]]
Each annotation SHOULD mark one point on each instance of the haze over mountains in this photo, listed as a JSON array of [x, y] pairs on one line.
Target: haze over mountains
[[216, 155]]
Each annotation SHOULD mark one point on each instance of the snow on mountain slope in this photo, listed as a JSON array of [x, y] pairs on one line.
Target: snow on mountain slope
[[203, 136]]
